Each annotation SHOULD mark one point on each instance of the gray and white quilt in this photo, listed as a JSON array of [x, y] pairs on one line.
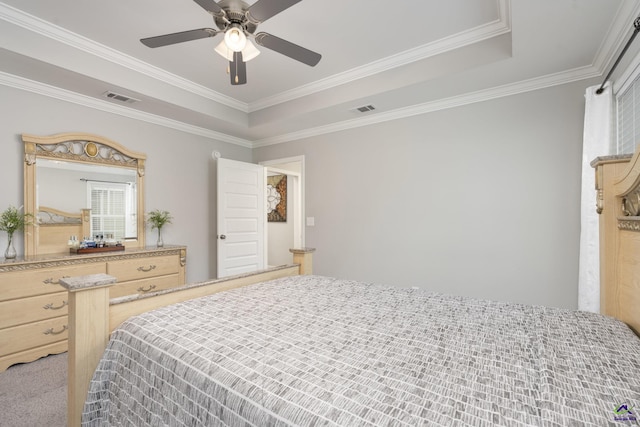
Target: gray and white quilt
[[316, 351]]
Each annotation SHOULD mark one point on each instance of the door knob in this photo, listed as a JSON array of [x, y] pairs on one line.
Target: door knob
[[222, 237]]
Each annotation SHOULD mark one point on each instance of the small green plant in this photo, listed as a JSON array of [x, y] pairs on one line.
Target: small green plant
[[159, 218], [13, 220]]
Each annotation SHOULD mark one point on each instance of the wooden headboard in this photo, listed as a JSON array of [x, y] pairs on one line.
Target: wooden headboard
[[618, 203], [56, 226]]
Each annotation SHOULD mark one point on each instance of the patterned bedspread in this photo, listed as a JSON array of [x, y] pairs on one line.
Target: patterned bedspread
[[314, 351]]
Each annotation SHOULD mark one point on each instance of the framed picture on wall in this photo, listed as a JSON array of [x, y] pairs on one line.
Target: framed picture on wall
[[277, 198]]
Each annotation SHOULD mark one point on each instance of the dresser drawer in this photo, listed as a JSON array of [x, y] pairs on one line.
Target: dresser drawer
[[145, 286], [23, 337], [27, 283], [143, 268], [25, 310]]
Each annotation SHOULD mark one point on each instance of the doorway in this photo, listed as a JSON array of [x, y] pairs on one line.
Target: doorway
[[284, 235], [244, 239]]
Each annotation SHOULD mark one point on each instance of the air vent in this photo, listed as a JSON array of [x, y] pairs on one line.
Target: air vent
[[120, 98], [363, 109]]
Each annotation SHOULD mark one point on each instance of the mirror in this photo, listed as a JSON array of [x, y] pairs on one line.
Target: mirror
[[82, 185], [110, 193]]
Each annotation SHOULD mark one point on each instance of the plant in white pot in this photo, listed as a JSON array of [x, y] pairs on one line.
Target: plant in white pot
[[159, 219], [12, 220]]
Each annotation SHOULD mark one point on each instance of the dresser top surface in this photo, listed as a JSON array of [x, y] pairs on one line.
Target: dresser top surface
[[71, 258]]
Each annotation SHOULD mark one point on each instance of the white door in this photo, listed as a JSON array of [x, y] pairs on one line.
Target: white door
[[241, 217]]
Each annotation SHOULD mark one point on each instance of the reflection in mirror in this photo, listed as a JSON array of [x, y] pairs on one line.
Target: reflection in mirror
[[81, 185], [109, 192]]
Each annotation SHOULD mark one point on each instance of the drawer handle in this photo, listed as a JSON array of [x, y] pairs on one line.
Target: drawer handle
[[142, 289], [146, 270], [52, 281], [50, 331], [50, 306]]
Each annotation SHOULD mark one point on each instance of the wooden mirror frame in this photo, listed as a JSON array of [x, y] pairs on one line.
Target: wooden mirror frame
[[79, 148]]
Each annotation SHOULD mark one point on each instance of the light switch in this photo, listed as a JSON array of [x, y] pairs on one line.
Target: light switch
[[311, 221]]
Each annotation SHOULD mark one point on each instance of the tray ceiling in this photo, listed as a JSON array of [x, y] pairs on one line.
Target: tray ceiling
[[405, 57]]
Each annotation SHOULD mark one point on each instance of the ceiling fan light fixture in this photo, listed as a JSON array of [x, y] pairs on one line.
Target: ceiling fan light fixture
[[235, 39], [238, 21], [224, 51], [248, 53]]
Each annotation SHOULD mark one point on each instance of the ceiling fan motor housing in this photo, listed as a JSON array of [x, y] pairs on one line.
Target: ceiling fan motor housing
[[236, 13]]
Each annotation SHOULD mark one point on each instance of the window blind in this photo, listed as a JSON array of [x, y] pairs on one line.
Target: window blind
[[628, 118], [108, 209]]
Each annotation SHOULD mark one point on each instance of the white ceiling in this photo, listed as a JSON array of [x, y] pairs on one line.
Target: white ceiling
[[404, 57]]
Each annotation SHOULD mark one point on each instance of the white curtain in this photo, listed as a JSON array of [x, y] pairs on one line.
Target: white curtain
[[598, 118]]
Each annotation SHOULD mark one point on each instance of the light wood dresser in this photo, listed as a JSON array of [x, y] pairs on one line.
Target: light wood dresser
[[33, 306]]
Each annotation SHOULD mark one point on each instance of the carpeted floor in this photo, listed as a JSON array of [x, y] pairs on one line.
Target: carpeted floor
[[35, 394]]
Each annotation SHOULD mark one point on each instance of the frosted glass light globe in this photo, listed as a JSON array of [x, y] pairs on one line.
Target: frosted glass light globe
[[235, 39]]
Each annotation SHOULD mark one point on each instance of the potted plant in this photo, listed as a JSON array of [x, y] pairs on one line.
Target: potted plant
[[158, 219], [11, 221]]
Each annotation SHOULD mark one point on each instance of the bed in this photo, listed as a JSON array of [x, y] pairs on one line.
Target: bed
[[311, 350], [299, 349]]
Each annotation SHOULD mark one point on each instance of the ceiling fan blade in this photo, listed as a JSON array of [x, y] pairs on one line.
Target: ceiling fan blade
[[183, 36], [262, 10], [211, 7], [289, 49], [238, 70]]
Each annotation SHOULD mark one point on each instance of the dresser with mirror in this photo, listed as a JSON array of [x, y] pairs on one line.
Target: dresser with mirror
[[79, 188]]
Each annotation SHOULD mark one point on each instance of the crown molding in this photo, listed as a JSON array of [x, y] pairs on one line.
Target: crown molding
[[500, 26], [606, 54], [623, 27], [442, 104], [400, 113], [61, 35], [39, 88], [618, 33], [616, 37]]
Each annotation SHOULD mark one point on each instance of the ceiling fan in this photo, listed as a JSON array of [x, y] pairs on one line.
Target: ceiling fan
[[238, 21]]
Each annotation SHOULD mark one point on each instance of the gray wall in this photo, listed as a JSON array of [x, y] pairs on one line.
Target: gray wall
[[180, 172], [481, 200]]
